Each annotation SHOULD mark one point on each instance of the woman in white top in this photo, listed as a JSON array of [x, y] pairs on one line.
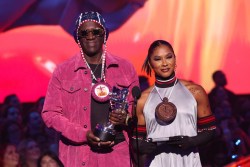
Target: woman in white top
[[173, 114]]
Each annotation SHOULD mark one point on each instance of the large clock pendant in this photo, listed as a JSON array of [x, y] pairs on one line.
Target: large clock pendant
[[165, 112]]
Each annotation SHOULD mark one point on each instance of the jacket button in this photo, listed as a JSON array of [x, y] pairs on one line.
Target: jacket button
[[85, 72], [85, 126], [84, 108], [83, 163], [85, 89]]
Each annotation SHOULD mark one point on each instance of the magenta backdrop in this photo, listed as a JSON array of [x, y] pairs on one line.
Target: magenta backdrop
[[206, 35]]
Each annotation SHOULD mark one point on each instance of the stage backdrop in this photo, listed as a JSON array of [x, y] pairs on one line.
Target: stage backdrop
[[206, 35]]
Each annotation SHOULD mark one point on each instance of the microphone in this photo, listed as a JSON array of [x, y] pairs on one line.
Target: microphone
[[136, 92]]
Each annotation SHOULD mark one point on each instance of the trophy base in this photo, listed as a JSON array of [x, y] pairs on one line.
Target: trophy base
[[104, 135], [105, 132]]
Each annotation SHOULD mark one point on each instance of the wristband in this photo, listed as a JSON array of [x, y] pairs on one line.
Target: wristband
[[206, 123]]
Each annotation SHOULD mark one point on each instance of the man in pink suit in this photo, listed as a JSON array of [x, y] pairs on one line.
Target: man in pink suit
[[74, 105]]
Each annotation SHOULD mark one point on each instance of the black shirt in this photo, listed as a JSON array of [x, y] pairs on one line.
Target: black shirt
[[100, 110]]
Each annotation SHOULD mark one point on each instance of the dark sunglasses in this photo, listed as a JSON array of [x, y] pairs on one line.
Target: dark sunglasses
[[98, 32]]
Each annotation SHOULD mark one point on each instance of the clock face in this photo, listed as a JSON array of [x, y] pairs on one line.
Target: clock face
[[166, 112]]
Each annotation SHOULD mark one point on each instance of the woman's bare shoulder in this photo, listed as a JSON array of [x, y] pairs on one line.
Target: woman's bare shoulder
[[194, 88], [145, 93]]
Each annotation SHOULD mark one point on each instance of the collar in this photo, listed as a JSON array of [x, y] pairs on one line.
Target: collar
[[110, 61], [165, 82]]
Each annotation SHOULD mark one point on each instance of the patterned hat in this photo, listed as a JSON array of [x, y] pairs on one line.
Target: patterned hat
[[90, 16]]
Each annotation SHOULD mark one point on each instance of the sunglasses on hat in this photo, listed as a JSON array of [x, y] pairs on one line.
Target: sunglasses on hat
[[97, 32]]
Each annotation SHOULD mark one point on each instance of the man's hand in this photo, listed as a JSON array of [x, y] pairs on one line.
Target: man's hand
[[118, 117], [96, 142]]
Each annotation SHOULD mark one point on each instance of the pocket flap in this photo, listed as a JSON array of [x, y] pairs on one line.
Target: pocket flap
[[71, 86]]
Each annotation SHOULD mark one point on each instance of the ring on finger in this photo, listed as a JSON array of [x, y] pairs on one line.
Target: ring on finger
[[99, 144]]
